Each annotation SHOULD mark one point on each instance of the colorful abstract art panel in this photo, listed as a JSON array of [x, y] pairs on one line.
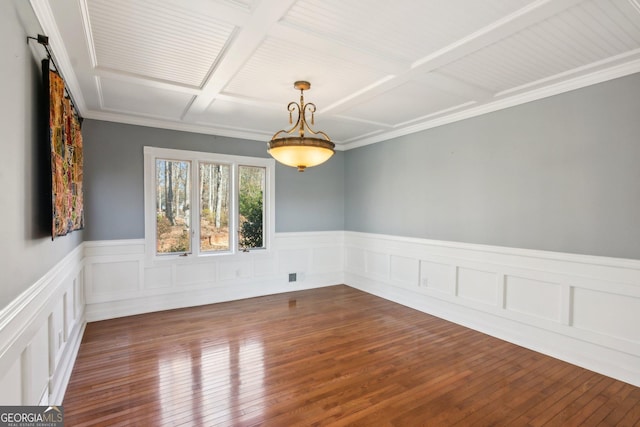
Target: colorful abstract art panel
[[65, 139]]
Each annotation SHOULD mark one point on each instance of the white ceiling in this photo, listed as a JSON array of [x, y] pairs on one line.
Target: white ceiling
[[378, 69]]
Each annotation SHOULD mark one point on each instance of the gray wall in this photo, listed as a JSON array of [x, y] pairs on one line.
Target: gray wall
[[312, 200], [114, 180], [26, 249], [559, 174]]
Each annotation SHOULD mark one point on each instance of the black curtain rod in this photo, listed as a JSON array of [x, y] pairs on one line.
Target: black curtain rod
[[44, 41]]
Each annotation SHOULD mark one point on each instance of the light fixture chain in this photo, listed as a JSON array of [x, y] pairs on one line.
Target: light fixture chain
[[303, 113]]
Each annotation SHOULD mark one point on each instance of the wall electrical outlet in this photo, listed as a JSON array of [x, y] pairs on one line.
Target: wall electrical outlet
[[293, 277]]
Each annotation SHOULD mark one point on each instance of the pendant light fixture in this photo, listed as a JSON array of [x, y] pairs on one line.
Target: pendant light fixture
[[301, 151]]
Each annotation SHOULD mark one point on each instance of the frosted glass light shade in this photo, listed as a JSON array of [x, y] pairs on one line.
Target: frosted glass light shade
[[301, 152]]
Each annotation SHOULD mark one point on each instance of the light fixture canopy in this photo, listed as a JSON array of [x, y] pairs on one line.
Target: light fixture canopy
[[301, 151]]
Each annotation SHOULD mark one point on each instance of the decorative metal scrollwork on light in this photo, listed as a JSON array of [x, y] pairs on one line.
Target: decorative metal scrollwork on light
[[301, 151]]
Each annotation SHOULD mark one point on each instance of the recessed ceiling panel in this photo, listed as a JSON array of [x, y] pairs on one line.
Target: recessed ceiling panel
[[404, 103], [270, 73], [156, 39], [401, 29], [587, 33], [144, 100]]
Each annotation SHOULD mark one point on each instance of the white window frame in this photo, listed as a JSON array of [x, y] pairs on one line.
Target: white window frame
[[151, 154]]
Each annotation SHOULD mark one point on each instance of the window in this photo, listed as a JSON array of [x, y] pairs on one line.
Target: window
[[205, 204], [251, 207], [214, 207]]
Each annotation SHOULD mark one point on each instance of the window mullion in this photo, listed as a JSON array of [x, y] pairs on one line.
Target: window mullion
[[194, 203], [233, 231]]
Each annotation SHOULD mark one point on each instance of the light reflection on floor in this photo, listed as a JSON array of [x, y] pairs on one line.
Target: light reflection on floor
[[224, 381]]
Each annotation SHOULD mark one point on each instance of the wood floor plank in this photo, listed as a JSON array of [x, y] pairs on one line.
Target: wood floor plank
[[331, 356], [514, 402]]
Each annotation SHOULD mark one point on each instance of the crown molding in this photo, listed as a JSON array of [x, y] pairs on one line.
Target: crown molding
[[578, 82], [44, 14]]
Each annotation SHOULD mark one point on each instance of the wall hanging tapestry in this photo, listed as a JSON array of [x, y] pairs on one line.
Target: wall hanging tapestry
[[65, 140]]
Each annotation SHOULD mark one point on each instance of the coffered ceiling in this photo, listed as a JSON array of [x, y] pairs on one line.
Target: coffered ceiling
[[378, 69]]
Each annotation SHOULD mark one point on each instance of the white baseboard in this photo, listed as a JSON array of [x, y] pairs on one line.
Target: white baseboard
[[580, 309], [201, 296]]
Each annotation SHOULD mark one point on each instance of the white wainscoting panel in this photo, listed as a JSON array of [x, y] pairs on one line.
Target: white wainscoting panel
[[355, 259], [11, 392], [193, 274], [405, 271], [294, 260], [40, 334], [438, 276], [265, 265], [327, 258], [109, 277], [581, 309], [121, 281], [477, 285], [377, 264], [36, 375], [158, 277], [533, 297], [56, 334], [617, 315], [235, 269]]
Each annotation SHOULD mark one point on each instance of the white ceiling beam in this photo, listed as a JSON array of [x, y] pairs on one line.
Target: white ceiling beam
[[535, 12], [248, 39], [333, 107], [124, 76]]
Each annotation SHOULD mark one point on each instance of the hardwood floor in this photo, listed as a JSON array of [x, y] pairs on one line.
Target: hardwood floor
[[330, 356]]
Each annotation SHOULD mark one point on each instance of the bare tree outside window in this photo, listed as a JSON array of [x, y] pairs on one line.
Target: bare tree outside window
[[173, 216], [214, 207]]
